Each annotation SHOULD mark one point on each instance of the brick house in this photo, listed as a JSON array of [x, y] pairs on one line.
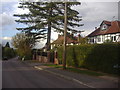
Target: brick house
[[108, 30]]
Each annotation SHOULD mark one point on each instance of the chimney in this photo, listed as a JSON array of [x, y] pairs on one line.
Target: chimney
[[95, 28]]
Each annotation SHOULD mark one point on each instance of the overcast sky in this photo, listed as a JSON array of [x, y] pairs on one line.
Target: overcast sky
[[93, 13]]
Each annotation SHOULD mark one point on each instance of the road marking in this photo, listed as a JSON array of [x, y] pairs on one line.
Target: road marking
[[38, 68], [83, 83], [66, 77]]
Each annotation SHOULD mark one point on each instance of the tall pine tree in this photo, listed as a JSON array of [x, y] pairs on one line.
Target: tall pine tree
[[49, 15], [7, 45]]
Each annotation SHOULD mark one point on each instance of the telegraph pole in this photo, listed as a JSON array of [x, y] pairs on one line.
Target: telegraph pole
[[65, 36]]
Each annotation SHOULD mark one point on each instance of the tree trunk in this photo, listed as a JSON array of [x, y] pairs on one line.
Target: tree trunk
[[65, 36], [49, 31], [49, 37]]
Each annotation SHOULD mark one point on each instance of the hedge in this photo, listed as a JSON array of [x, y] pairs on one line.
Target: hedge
[[98, 57]]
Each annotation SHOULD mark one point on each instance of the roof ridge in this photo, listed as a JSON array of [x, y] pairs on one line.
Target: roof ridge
[[106, 20], [113, 28]]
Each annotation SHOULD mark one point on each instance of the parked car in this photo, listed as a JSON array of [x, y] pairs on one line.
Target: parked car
[[5, 58]]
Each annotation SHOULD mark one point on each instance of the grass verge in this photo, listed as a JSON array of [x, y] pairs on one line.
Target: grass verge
[[53, 65], [32, 61], [77, 70], [88, 72]]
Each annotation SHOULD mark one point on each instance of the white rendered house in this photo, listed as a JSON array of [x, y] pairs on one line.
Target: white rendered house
[[107, 31]]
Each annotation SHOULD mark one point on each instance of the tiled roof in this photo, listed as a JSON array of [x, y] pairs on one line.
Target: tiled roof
[[114, 27], [60, 40], [106, 22]]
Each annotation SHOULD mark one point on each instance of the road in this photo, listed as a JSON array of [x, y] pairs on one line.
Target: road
[[16, 74]]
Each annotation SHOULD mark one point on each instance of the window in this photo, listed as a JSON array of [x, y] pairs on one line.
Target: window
[[104, 27], [99, 39], [92, 40], [114, 38]]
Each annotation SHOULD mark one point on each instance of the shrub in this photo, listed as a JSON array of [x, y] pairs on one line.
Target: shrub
[[99, 57], [8, 52], [103, 57]]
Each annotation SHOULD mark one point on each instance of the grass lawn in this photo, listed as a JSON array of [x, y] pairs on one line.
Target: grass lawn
[[77, 70]]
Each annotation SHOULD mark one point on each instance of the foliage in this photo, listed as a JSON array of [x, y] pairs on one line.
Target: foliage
[[8, 52], [83, 40], [50, 15], [7, 45], [103, 58], [98, 57], [23, 44]]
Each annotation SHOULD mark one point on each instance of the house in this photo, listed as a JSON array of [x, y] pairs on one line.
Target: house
[[71, 40], [108, 31]]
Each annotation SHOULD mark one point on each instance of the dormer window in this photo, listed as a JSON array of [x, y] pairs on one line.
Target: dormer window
[[104, 27]]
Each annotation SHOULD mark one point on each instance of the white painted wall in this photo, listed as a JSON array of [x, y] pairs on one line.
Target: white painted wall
[[102, 38]]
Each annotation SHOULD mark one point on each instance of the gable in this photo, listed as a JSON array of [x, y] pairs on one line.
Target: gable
[[110, 28], [104, 27]]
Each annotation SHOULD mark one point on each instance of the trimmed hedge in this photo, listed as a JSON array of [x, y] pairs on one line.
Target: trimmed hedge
[[98, 57]]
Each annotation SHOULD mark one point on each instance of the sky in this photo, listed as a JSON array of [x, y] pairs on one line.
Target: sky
[[93, 12]]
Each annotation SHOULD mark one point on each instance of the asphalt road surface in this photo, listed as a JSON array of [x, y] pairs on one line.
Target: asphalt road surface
[[16, 74]]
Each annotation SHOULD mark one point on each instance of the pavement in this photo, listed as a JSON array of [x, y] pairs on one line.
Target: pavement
[[86, 80]]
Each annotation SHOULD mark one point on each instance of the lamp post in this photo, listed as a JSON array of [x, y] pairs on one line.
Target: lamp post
[[65, 36]]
